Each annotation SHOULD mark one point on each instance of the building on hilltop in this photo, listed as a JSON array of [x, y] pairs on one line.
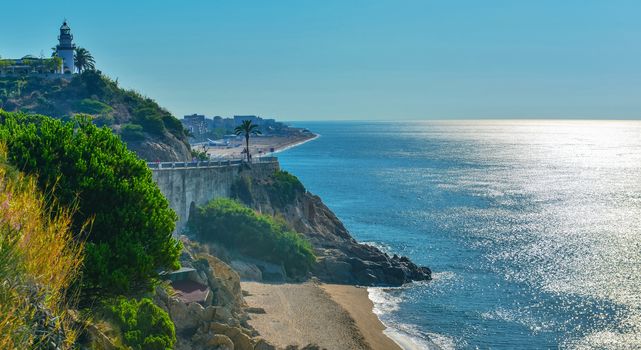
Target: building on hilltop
[[62, 61], [30, 65], [65, 48]]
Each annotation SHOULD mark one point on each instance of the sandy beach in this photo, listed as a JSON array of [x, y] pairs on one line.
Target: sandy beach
[[258, 145], [334, 317]]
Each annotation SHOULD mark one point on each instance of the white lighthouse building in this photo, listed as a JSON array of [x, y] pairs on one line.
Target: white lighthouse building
[[65, 48]]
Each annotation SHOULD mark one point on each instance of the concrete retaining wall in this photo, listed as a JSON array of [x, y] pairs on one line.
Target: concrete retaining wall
[[199, 185]]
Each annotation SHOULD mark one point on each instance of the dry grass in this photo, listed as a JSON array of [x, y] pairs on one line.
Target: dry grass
[[39, 260]]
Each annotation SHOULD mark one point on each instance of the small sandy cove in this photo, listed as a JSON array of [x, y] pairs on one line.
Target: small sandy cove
[[335, 317]]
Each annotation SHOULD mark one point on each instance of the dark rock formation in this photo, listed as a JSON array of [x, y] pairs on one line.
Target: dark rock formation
[[341, 259]]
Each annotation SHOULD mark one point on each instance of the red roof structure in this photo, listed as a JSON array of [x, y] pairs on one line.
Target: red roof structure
[[190, 291]]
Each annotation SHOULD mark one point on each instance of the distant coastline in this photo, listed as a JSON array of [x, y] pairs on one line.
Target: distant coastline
[[258, 145], [295, 144]]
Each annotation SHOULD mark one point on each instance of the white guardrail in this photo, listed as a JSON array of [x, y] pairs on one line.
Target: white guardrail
[[207, 163]]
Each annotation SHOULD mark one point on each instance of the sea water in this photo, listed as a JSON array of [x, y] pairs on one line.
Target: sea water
[[532, 228]]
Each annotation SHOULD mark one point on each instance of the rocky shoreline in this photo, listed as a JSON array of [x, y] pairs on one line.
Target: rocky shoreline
[[212, 312], [341, 259]]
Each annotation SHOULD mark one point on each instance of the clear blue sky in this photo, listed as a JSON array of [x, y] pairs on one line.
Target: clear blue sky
[[369, 59]]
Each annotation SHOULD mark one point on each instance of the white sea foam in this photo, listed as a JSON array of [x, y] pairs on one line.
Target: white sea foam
[[386, 301], [413, 342], [380, 246]]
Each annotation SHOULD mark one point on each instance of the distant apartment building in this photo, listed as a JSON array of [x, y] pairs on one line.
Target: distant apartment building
[[195, 123], [265, 124], [238, 119], [204, 128]]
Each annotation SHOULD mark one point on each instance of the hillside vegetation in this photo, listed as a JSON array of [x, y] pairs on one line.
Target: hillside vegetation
[[81, 218], [241, 229], [149, 130], [81, 166]]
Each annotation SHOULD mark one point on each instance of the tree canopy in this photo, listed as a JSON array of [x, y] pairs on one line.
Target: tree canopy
[[90, 169], [247, 128], [83, 60]]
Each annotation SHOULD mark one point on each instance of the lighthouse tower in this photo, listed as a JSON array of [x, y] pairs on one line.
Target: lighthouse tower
[[65, 48]]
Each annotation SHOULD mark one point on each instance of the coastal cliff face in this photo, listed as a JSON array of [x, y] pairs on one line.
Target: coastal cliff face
[[166, 148], [341, 259]]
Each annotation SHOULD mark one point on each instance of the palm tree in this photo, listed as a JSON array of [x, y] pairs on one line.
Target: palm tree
[[247, 128], [83, 60]]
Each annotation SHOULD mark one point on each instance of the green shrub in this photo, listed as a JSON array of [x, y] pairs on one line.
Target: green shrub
[[283, 188], [143, 324], [173, 125], [90, 169], [150, 120], [237, 227], [91, 106], [132, 132], [199, 155]]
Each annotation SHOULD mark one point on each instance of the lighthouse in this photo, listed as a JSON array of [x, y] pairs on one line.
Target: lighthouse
[[65, 48]]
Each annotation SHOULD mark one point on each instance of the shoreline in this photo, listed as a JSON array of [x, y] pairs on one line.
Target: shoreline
[[294, 144], [304, 313], [358, 304], [403, 337], [364, 324], [259, 146]]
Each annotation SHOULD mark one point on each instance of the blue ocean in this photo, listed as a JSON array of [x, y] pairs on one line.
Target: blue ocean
[[532, 228]]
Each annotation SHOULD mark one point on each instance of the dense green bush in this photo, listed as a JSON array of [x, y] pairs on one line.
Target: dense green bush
[[143, 324], [89, 168], [91, 106], [199, 155], [150, 120], [131, 132], [173, 125], [283, 188], [237, 227]]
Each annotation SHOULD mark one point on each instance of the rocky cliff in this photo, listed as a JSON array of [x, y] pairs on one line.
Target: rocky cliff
[[341, 259], [217, 319]]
